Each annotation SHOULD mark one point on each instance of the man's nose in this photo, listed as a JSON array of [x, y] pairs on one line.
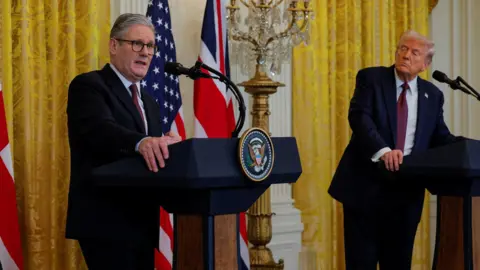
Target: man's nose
[[144, 51]]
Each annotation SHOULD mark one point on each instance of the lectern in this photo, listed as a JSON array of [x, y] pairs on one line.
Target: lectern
[[452, 172], [204, 185]]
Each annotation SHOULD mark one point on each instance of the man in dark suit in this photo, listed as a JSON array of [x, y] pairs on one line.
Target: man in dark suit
[[393, 113], [110, 118]]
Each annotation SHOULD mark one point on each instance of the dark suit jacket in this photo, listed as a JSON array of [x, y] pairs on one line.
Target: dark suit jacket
[[104, 126], [373, 119]]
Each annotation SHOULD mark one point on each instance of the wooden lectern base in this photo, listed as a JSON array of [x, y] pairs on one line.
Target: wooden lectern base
[[206, 242], [457, 244]]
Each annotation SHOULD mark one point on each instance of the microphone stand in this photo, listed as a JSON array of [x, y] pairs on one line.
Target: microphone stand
[[471, 92], [230, 85]]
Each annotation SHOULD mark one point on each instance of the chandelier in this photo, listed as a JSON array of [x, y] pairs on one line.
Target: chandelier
[[268, 32]]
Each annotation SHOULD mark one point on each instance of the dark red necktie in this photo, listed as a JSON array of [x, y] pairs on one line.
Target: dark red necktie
[[134, 90], [402, 116]]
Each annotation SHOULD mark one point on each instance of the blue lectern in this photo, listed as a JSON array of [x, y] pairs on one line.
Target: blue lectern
[[204, 186], [451, 172]]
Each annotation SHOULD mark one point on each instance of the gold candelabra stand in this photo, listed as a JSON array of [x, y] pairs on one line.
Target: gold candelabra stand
[[268, 39]]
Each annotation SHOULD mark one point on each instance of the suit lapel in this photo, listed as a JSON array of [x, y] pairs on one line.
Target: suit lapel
[[121, 92], [422, 109], [390, 96]]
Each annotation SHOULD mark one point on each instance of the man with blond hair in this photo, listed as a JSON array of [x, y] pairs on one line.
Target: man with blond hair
[[393, 113]]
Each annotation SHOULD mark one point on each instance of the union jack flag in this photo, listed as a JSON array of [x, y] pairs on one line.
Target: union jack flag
[[213, 108], [165, 89], [10, 246]]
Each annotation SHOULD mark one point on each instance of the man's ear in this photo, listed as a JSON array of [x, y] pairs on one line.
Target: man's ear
[[426, 66], [113, 46]]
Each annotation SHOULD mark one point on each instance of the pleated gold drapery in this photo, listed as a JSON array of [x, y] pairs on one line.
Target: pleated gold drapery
[[345, 37], [44, 44]]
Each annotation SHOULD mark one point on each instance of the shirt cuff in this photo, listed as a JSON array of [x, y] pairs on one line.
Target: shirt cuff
[[380, 153], [138, 144]]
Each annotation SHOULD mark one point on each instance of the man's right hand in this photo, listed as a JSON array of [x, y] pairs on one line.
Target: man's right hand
[[392, 160], [156, 149]]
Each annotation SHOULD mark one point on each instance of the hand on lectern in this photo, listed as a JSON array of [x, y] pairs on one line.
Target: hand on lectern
[[155, 149], [392, 160], [174, 136]]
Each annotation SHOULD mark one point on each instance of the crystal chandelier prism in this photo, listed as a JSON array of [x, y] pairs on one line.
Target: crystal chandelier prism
[[265, 31]]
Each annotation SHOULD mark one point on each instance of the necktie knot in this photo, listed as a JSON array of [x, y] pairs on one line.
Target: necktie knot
[[405, 86]]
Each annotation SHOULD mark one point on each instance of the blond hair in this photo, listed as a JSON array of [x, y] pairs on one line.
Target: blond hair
[[410, 34]]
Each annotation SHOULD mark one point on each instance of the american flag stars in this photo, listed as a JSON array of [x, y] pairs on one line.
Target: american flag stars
[[170, 97]]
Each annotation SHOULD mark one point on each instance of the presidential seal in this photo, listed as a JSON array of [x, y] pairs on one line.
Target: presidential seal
[[256, 154]]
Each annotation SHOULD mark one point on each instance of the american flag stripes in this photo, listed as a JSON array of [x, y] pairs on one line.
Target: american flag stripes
[[10, 246], [165, 89], [213, 108]]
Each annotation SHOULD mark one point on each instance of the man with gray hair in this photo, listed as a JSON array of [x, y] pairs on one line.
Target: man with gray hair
[[393, 113], [109, 118]]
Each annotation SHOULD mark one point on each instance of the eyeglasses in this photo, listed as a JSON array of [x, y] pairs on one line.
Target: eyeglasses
[[137, 45]]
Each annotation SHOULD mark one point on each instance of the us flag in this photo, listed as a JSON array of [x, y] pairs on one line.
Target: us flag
[[165, 89], [213, 108]]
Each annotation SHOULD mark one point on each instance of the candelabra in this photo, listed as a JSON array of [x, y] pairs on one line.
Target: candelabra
[[262, 47]]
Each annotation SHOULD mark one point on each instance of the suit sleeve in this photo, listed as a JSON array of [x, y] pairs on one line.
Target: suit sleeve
[[360, 116], [92, 124], [441, 135]]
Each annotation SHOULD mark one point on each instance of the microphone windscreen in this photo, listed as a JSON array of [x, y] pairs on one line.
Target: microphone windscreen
[[172, 68], [440, 76]]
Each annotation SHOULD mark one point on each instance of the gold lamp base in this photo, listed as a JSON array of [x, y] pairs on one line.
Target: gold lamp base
[[260, 234], [260, 213], [260, 87], [262, 259]]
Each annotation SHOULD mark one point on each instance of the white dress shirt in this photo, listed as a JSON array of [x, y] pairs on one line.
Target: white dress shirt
[[412, 103], [127, 84]]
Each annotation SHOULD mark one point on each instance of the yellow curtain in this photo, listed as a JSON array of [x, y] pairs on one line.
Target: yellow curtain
[[345, 37], [44, 44]]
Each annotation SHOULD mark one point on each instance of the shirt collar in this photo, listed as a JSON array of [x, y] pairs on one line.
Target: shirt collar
[[126, 82], [399, 82]]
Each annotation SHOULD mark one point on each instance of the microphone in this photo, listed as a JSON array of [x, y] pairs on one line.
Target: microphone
[[196, 72], [454, 84], [443, 78], [178, 69]]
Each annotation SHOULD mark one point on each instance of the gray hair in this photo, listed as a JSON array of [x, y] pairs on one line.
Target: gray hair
[[125, 21], [410, 34]]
